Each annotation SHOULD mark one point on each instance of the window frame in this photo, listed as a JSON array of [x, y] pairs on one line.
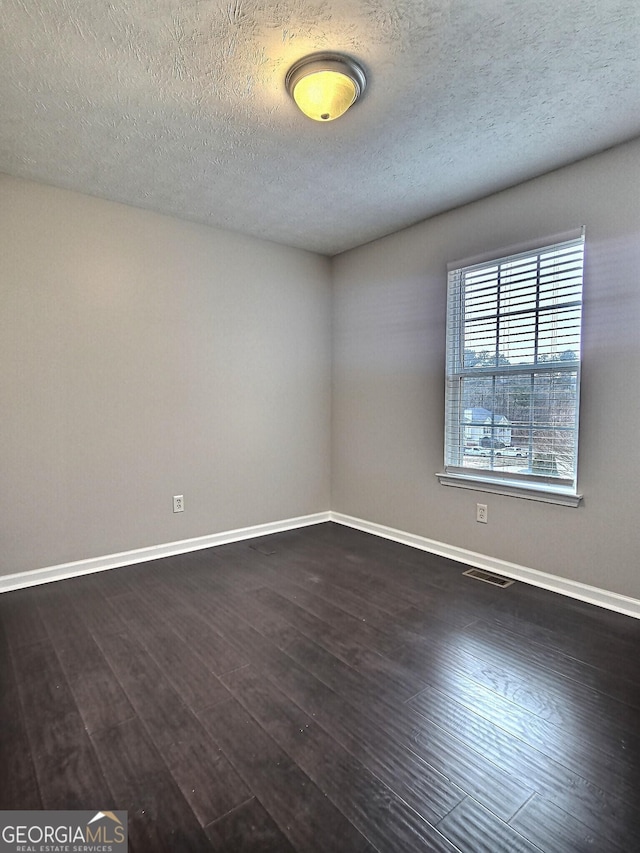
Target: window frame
[[532, 486]]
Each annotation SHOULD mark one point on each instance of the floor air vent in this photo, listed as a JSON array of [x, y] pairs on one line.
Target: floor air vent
[[496, 580]]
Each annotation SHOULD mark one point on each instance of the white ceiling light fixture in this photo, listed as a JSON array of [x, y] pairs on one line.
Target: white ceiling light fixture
[[325, 85]]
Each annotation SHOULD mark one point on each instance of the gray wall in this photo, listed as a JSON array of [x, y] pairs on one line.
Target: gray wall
[[389, 342], [144, 357]]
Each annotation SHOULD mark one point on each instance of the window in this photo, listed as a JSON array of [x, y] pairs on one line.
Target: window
[[513, 372]]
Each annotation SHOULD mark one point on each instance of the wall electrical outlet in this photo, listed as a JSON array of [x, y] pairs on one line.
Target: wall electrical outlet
[[482, 514], [178, 503]]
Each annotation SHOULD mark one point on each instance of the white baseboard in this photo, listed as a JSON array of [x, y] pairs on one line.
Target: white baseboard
[[564, 586], [155, 552], [572, 589]]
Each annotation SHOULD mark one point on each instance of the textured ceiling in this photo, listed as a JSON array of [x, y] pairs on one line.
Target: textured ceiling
[[179, 105]]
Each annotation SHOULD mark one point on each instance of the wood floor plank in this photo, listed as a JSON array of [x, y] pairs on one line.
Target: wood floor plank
[[195, 683], [416, 576], [322, 689], [18, 783], [100, 699], [303, 813], [608, 681], [186, 616], [285, 622], [427, 791], [475, 830], [346, 645], [59, 616], [554, 698], [465, 767], [69, 775], [324, 585], [588, 802], [153, 697], [21, 618], [94, 607], [215, 652], [248, 829], [581, 630], [113, 582], [238, 568], [368, 636], [558, 621], [550, 828], [371, 806], [271, 624], [204, 776], [208, 781], [341, 567], [558, 698], [159, 817], [567, 746]]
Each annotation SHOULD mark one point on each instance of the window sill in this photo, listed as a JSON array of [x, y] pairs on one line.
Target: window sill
[[513, 488]]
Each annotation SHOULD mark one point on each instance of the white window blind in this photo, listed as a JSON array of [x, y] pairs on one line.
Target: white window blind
[[513, 368]]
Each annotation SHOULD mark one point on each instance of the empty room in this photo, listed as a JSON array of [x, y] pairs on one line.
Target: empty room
[[320, 376]]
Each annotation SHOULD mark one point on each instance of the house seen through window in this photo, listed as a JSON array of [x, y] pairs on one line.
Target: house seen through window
[[513, 369]]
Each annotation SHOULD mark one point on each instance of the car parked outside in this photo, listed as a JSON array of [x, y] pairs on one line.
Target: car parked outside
[[477, 451], [520, 452]]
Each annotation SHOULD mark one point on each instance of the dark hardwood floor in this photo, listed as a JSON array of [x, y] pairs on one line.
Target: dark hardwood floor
[[323, 691]]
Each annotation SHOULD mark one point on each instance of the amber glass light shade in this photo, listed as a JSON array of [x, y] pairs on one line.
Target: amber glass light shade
[[324, 86]]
